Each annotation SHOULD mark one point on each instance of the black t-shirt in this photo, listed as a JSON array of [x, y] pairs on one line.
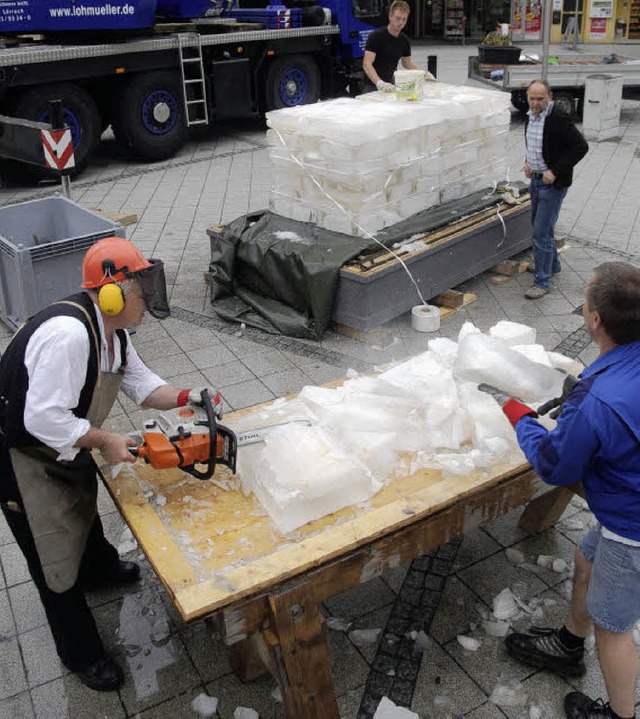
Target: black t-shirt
[[388, 50]]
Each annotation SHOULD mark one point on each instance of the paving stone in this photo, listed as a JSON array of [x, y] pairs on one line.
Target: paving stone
[[68, 698], [362, 599], [246, 394], [28, 611], [440, 675], [14, 565], [207, 650], [40, 658], [17, 707], [157, 673], [254, 695]]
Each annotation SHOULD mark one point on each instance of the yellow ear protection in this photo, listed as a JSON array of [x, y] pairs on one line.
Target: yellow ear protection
[[110, 296], [111, 299]]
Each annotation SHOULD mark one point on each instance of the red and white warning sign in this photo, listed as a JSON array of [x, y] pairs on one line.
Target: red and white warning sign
[[58, 149]]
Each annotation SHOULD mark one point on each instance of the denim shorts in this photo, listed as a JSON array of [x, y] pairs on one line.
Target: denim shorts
[[613, 600]]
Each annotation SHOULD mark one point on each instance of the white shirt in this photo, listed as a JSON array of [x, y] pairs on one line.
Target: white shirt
[[56, 358]]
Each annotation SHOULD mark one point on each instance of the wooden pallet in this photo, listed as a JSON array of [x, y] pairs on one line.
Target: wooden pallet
[[122, 218]]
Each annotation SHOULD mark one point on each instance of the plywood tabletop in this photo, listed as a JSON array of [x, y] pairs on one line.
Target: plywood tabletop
[[212, 547]]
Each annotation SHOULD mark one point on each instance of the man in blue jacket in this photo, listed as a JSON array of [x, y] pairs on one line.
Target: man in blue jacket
[[596, 441]]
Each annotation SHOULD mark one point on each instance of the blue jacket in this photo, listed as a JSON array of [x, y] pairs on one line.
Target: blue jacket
[[596, 440]]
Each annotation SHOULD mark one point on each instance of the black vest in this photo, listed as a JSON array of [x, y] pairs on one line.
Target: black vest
[[14, 378]]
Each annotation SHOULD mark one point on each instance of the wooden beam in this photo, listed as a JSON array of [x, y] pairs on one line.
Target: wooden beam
[[304, 663], [543, 512], [451, 298]]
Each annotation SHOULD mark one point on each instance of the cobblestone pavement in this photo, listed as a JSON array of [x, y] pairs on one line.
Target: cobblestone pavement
[[214, 179]]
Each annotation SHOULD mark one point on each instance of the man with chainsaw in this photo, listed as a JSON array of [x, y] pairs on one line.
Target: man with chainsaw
[[597, 442], [59, 378]]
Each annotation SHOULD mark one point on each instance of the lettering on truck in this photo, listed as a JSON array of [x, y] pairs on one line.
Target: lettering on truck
[[92, 10]]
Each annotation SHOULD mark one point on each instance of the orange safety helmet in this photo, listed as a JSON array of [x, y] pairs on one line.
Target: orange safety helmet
[[112, 259]]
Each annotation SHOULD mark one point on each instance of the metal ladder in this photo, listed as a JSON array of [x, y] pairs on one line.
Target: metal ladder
[[192, 70]]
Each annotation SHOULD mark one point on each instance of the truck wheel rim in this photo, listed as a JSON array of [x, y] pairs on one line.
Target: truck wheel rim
[[159, 112], [293, 87], [70, 119]]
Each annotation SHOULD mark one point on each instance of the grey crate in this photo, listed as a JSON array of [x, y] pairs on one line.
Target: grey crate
[[42, 243], [366, 301]]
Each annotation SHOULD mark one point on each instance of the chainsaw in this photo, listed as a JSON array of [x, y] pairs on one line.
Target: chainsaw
[[190, 435]]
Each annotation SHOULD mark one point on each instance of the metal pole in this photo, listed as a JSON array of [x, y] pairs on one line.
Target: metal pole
[[57, 123], [575, 26], [546, 30]]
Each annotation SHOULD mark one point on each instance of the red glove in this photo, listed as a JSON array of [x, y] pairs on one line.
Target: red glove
[[513, 408], [195, 397]]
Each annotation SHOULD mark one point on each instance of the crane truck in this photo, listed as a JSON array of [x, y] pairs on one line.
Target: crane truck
[[151, 69]]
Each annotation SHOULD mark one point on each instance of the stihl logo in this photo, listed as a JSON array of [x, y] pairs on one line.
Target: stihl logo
[[58, 149]]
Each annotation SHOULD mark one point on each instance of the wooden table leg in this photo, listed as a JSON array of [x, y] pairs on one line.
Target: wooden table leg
[[543, 512], [302, 656]]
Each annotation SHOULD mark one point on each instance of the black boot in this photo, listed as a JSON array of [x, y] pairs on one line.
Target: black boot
[[113, 576], [579, 706], [542, 648], [103, 676]]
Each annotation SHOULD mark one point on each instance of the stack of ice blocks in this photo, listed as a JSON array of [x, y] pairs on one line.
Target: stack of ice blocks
[[357, 166]]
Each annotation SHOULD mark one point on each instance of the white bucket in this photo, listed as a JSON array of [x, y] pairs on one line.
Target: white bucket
[[408, 84], [425, 318]]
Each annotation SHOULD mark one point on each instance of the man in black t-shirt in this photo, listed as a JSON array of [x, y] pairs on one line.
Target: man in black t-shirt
[[386, 46]]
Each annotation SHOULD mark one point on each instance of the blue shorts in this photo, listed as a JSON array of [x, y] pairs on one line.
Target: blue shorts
[[613, 600]]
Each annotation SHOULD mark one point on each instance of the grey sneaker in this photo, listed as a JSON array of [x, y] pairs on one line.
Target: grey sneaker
[[542, 648], [535, 292]]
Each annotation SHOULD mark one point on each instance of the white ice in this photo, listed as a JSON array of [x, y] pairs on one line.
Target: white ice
[[388, 710], [204, 705], [422, 413]]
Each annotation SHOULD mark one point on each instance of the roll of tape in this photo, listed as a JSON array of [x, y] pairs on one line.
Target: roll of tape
[[425, 318]]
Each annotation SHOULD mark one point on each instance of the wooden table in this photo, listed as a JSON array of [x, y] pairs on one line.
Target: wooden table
[[267, 588]]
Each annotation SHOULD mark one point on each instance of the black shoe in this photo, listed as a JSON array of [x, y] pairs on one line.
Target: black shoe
[[579, 706], [543, 649], [103, 676], [115, 575]]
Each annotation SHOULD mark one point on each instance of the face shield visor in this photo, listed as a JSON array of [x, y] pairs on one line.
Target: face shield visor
[[154, 289]]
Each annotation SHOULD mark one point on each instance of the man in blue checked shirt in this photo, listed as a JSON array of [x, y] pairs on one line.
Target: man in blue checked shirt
[[553, 147], [596, 441]]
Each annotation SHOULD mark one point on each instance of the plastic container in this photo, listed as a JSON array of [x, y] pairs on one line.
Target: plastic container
[[408, 84], [42, 243]]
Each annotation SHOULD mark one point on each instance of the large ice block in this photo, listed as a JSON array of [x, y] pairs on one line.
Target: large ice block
[[375, 160]]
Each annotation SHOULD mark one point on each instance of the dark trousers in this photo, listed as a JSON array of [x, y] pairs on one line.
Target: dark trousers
[[72, 625]]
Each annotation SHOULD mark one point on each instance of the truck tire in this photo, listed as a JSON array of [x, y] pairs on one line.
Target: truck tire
[[80, 114], [519, 100], [292, 80], [150, 119]]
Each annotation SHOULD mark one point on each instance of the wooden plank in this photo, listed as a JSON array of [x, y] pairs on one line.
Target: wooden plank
[[437, 238], [511, 268], [543, 512], [305, 676], [123, 218], [414, 539], [162, 551], [467, 299], [453, 299], [379, 338]]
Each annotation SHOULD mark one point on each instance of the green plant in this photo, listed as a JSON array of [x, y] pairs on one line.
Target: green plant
[[496, 38]]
